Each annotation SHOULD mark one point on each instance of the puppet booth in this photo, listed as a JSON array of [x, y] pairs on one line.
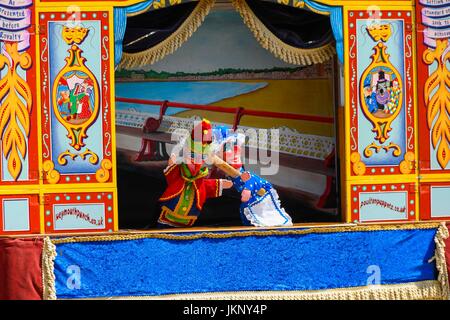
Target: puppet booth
[[224, 149]]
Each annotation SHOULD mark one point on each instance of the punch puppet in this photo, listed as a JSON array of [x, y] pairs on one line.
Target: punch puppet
[[188, 185]]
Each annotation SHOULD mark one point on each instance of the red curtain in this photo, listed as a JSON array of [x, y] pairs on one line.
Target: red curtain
[[21, 269]]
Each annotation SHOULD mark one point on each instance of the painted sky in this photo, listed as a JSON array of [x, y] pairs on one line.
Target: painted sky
[[222, 41]]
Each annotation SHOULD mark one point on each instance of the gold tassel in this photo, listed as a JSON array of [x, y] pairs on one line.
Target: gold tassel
[[441, 265], [257, 232], [422, 290], [281, 50], [48, 266], [172, 43]]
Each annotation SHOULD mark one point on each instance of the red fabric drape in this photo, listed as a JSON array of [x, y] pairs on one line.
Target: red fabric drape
[[21, 269]]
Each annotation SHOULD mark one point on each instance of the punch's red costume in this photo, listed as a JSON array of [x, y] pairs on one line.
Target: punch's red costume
[[186, 193], [187, 187]]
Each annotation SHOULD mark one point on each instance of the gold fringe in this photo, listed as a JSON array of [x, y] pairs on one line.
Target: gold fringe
[[257, 233], [172, 43], [48, 266], [277, 47], [441, 265], [422, 290]]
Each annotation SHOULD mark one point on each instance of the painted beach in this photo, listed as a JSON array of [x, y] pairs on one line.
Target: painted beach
[[311, 97]]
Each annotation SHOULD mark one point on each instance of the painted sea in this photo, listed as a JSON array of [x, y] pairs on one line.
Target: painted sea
[[197, 92]]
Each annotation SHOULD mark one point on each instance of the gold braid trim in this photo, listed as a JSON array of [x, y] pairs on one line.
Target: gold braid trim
[[155, 5], [172, 43], [233, 234], [281, 50], [441, 264], [422, 290], [324, 13], [48, 266], [147, 8]]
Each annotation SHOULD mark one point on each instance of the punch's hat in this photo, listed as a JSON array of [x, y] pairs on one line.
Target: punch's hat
[[202, 132], [200, 140]]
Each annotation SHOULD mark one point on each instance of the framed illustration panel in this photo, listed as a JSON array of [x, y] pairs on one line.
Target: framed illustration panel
[[77, 124]]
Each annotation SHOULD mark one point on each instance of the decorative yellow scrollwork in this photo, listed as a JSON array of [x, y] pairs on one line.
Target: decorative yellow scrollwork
[[16, 98], [368, 152], [52, 175], [437, 100], [62, 157], [407, 165], [359, 168], [102, 174], [93, 159]]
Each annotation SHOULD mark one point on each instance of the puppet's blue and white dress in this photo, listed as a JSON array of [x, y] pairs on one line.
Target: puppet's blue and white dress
[[263, 208]]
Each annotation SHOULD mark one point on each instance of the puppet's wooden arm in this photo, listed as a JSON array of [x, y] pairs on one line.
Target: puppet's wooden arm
[[225, 167]]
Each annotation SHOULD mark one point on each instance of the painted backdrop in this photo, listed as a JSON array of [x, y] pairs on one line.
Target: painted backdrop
[[231, 69]]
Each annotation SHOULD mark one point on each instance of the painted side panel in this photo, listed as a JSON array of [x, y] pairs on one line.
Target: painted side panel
[[381, 151], [433, 65], [19, 214], [76, 97], [435, 200], [19, 108], [381, 73], [433, 62]]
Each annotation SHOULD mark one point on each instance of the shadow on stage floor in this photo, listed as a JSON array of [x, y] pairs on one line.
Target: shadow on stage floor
[[139, 208]]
